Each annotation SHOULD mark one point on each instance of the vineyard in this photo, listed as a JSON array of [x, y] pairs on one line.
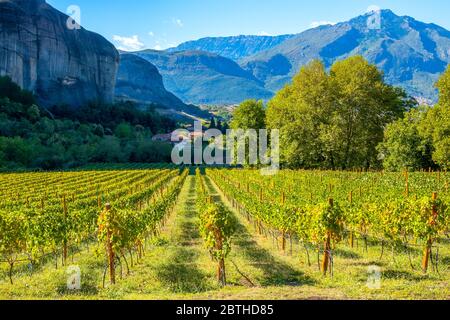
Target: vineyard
[[158, 231]]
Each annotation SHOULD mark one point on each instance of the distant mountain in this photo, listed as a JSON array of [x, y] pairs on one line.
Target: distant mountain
[[412, 54], [234, 48], [139, 81], [205, 78], [59, 65]]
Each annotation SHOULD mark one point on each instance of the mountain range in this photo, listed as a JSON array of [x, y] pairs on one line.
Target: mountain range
[[234, 48], [73, 66], [200, 77], [412, 55]]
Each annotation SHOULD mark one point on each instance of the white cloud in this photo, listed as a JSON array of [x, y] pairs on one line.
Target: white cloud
[[151, 34], [316, 24], [264, 33], [128, 43], [157, 47], [178, 22]]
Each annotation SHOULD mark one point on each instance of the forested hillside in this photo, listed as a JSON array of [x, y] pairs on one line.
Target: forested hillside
[[63, 137]]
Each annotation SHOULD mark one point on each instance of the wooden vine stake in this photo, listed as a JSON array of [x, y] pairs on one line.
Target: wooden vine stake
[[283, 233], [352, 236], [327, 248], [110, 251], [427, 251], [65, 238]]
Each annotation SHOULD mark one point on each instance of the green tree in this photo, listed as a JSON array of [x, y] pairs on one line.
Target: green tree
[[436, 126], [443, 86], [212, 123], [404, 146], [365, 105], [298, 111], [34, 113], [11, 90], [250, 114], [337, 119], [124, 131]]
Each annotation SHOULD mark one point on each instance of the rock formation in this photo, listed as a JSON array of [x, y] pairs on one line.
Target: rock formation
[[42, 52]]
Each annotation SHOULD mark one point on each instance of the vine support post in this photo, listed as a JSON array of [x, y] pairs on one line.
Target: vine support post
[[327, 248], [221, 273], [65, 236], [352, 236], [427, 250], [110, 250]]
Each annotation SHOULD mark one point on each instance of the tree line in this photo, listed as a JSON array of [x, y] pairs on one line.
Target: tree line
[[60, 137], [349, 117]]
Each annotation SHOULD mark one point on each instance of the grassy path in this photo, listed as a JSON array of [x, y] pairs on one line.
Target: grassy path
[[178, 266]]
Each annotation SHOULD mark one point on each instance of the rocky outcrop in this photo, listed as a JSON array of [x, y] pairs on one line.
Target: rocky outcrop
[[138, 80], [61, 65]]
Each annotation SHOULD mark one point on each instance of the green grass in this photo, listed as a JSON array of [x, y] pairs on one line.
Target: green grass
[[177, 266]]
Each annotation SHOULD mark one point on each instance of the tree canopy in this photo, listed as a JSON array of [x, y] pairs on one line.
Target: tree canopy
[[335, 119], [61, 137], [250, 114]]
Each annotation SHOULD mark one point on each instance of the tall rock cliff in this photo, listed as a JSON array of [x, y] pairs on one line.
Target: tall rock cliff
[[60, 65], [138, 80]]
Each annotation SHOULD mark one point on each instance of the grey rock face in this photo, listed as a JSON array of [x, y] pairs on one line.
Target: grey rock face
[[138, 80], [59, 64]]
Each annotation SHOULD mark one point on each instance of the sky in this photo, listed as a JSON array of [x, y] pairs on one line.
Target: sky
[[158, 24]]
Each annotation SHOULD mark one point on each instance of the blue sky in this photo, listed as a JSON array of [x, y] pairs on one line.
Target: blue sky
[[158, 24]]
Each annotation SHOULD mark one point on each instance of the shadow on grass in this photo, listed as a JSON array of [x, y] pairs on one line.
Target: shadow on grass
[[401, 275], [445, 261], [187, 228], [378, 263], [347, 254], [275, 272], [181, 275]]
